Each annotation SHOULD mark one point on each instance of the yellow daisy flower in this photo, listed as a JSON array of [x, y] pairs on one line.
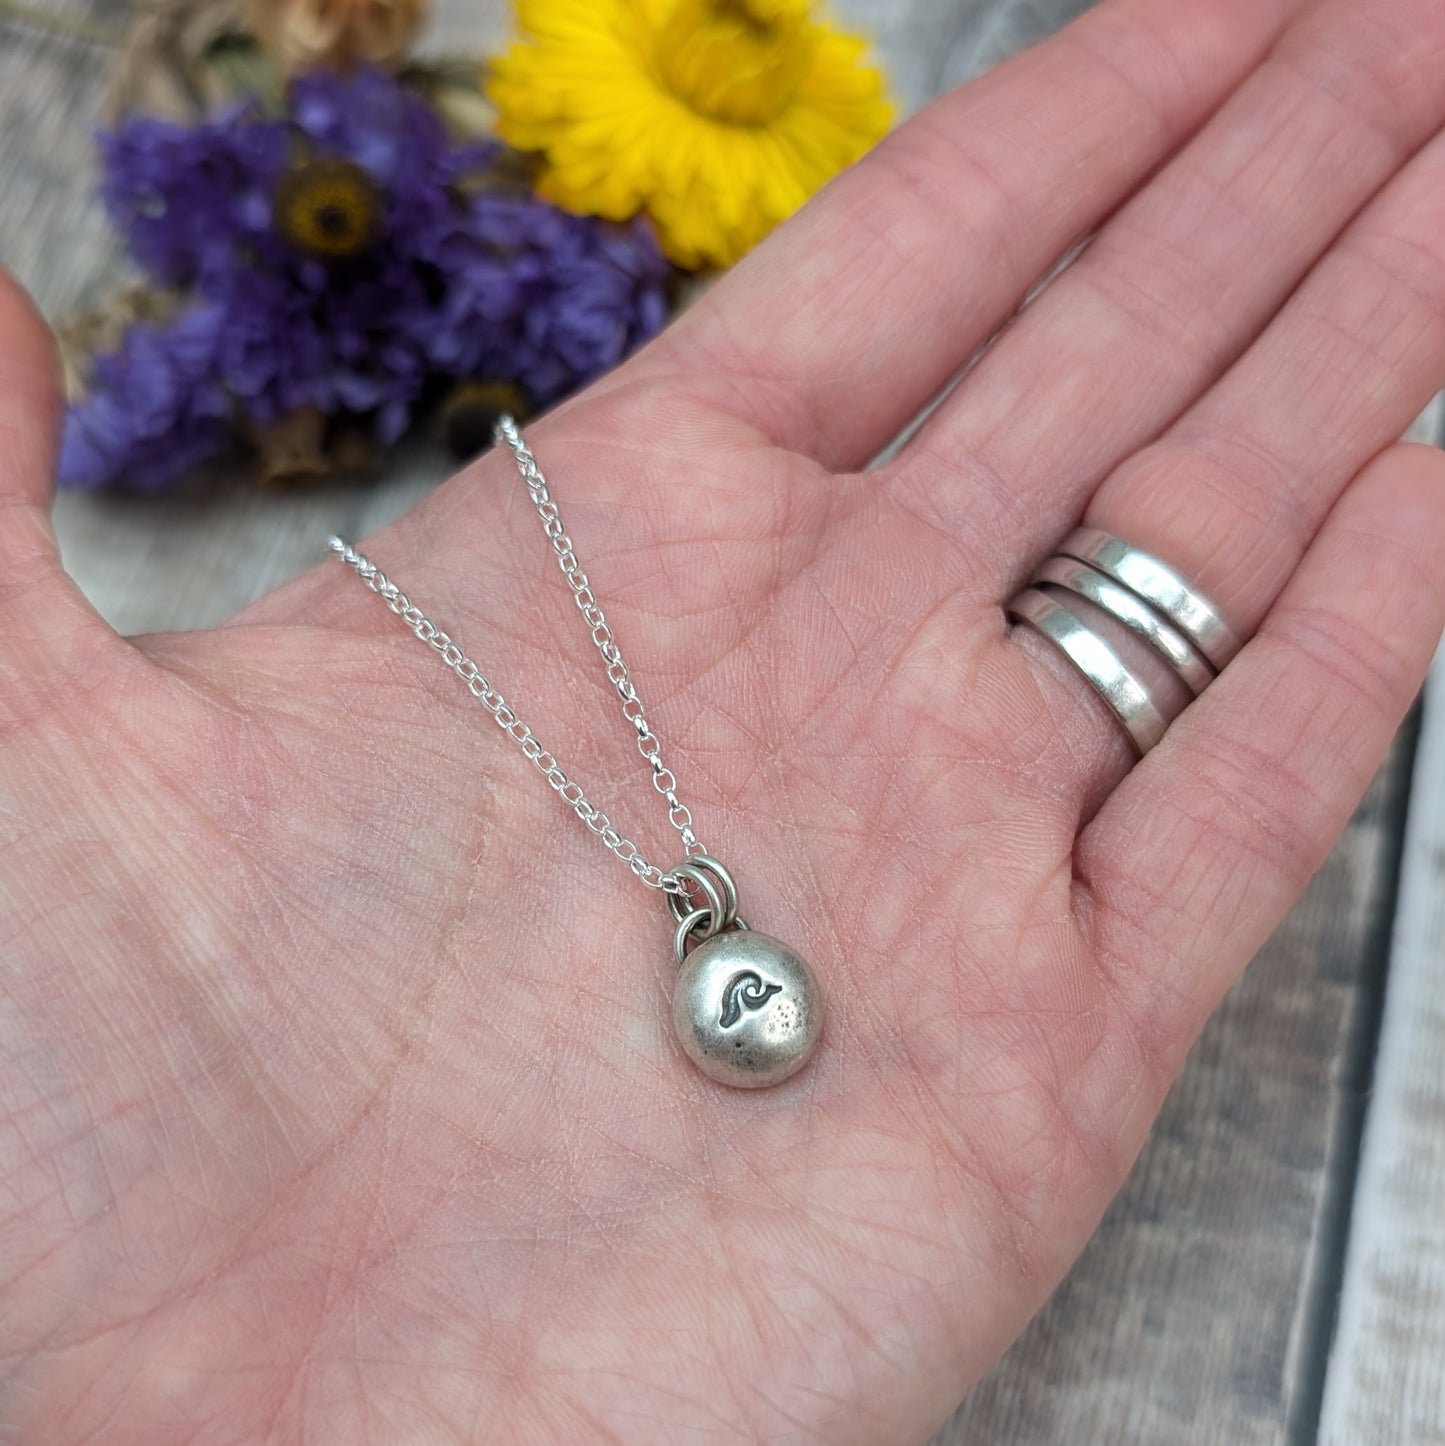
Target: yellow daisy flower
[[718, 117]]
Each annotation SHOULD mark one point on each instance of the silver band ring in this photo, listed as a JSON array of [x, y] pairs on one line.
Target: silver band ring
[[1106, 671], [1160, 586], [1135, 614]]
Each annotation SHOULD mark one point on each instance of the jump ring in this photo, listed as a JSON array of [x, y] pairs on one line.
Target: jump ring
[[696, 870], [685, 927], [683, 907], [730, 889], [689, 923]]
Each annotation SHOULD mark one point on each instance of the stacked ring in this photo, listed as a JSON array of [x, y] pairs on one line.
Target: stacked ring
[[1144, 595]]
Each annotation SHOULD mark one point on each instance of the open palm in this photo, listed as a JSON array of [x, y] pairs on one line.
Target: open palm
[[339, 1101]]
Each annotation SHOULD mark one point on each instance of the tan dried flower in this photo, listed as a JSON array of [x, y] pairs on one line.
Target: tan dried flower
[[310, 34]]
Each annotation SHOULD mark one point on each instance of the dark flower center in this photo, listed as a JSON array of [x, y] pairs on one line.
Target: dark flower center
[[334, 223], [329, 208], [471, 410]]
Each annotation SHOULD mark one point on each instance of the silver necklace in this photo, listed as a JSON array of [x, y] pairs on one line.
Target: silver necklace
[[745, 1007]]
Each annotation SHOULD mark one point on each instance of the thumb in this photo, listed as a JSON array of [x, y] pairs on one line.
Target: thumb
[[45, 623]]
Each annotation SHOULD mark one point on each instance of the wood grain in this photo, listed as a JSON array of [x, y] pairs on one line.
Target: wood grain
[[1200, 1311], [1386, 1378]]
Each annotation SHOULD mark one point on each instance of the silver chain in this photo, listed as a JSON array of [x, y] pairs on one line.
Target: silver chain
[[565, 788]]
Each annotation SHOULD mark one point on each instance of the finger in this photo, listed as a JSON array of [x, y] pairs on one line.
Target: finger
[[839, 328], [43, 618], [30, 404], [1232, 494], [1202, 848], [1173, 289]]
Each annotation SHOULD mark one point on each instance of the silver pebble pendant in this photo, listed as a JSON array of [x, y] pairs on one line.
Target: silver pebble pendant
[[745, 1007]]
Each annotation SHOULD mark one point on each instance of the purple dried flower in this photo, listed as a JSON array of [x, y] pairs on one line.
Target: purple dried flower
[[312, 339], [544, 297], [156, 409], [343, 268], [192, 200], [368, 118]]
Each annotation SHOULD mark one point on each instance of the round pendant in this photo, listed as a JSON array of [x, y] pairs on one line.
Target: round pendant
[[746, 1009]]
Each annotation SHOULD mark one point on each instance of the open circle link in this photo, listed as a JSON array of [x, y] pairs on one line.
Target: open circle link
[[722, 907], [713, 907], [692, 921]]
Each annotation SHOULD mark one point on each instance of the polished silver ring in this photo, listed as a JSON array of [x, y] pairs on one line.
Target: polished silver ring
[[1150, 599], [1160, 586], [1096, 659], [1136, 615]]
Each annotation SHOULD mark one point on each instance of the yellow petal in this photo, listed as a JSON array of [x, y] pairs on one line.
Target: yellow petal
[[585, 86]]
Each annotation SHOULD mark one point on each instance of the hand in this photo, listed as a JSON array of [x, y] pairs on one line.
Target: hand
[[339, 1099]]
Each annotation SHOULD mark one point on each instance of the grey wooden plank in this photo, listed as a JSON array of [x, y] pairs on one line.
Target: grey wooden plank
[[1188, 1316], [1430, 425], [52, 234], [1386, 1377], [1385, 1381]]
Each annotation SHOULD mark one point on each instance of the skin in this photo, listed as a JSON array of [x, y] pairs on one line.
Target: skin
[[338, 1101]]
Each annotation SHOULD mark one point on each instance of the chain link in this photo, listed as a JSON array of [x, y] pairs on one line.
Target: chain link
[[569, 791]]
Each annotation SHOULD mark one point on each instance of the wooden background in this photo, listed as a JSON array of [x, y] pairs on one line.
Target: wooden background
[[1205, 1309]]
